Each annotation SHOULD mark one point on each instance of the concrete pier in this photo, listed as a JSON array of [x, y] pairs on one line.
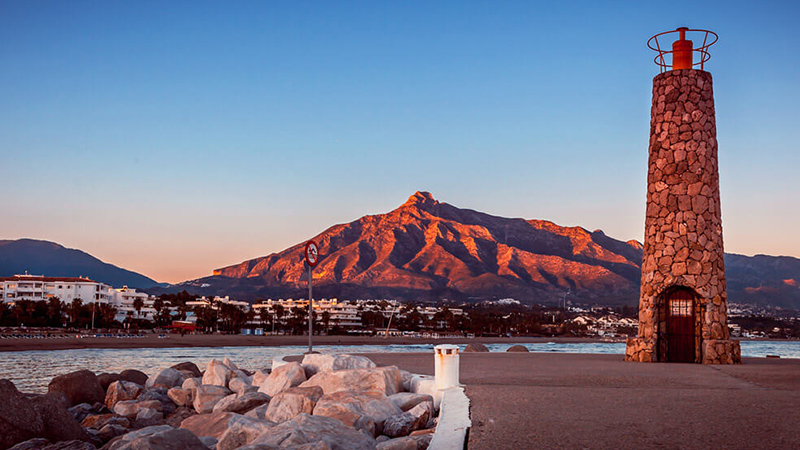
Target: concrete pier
[[558, 401]]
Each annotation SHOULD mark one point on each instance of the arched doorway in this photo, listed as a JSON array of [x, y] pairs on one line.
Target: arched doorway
[[679, 306]]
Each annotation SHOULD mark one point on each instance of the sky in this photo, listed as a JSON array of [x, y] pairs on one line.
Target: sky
[[173, 138]]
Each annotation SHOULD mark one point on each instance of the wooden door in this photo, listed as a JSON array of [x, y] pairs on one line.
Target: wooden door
[[680, 326]]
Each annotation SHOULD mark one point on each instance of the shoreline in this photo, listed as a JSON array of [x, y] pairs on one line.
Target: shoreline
[[235, 340], [222, 340]]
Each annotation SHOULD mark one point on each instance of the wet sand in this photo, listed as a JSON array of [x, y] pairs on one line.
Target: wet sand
[[219, 340], [569, 401]]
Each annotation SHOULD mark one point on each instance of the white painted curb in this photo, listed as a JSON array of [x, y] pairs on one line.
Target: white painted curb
[[454, 421]]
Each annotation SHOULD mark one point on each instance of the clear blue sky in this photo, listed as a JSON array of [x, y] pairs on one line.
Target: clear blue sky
[[172, 138]]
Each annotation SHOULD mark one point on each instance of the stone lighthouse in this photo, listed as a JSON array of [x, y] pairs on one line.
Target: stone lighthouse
[[683, 300]]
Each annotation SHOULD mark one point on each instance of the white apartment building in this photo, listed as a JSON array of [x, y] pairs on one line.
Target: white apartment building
[[206, 302], [41, 288], [344, 314], [123, 299]]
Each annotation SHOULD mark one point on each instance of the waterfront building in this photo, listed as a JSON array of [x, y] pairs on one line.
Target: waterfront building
[[42, 288]]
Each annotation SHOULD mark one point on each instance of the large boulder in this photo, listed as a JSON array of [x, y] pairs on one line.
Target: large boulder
[[79, 387], [167, 378], [120, 391], [211, 425], [189, 367], [406, 443], [181, 397], [292, 402], [517, 349], [217, 374], [19, 420], [44, 444], [242, 431], [206, 396], [306, 429], [313, 363], [175, 419], [403, 443], [31, 444], [162, 396], [385, 380], [134, 376], [131, 408], [241, 386], [241, 404], [282, 378], [476, 348], [106, 379], [59, 425], [259, 412], [259, 377], [365, 411], [402, 425], [408, 400], [101, 420], [164, 439]]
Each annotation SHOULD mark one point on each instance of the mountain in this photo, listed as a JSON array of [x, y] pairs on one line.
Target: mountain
[[427, 250], [53, 260]]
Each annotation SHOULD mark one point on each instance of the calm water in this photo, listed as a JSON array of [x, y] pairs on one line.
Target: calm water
[[31, 371]]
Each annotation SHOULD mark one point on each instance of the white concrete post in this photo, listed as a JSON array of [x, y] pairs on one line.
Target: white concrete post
[[446, 365]]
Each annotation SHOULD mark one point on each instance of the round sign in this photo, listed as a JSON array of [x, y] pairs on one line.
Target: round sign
[[312, 253]]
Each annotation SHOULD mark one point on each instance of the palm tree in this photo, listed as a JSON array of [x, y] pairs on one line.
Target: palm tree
[[138, 304], [326, 320]]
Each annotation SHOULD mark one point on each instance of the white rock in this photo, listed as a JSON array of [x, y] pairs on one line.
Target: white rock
[[306, 429], [259, 377], [314, 363], [241, 431], [166, 378], [408, 400], [181, 397], [282, 378], [217, 374], [361, 410], [213, 425], [192, 383], [403, 424], [230, 364], [120, 391], [385, 380], [207, 396], [241, 404], [288, 404], [149, 414]]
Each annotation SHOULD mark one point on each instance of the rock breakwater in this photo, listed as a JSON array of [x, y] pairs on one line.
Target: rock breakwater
[[325, 402]]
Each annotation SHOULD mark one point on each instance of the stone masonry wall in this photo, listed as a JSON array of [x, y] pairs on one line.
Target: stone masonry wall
[[683, 225]]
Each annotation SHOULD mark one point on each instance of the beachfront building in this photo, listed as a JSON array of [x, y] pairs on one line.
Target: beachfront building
[[41, 288], [682, 304], [346, 314], [214, 302], [124, 300]]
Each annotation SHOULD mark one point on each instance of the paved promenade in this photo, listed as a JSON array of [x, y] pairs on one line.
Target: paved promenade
[[563, 401]]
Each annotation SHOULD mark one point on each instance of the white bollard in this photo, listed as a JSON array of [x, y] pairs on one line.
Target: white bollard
[[446, 366]]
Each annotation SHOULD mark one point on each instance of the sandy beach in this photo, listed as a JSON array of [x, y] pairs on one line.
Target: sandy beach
[[570, 401], [220, 340]]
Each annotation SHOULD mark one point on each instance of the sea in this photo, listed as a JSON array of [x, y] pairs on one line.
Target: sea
[[31, 371]]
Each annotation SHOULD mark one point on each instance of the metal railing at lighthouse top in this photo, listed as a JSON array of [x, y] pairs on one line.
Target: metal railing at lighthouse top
[[681, 54]]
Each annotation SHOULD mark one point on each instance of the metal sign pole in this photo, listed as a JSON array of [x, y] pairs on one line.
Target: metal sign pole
[[310, 310]]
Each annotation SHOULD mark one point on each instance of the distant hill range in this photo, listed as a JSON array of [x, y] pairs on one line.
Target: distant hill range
[[427, 250], [54, 260]]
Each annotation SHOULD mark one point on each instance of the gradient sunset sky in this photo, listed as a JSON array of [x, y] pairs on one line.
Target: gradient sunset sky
[[172, 138]]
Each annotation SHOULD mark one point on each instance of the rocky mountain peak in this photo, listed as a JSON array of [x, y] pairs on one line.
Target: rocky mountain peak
[[421, 199]]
